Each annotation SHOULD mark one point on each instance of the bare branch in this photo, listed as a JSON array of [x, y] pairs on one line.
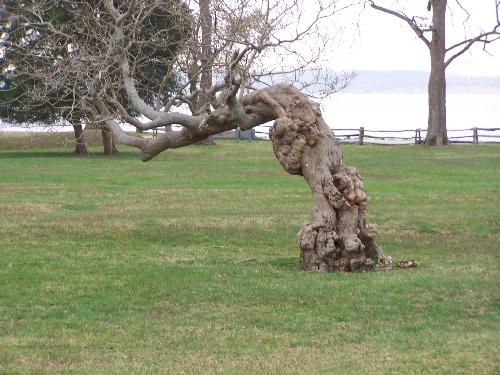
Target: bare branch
[[99, 59], [112, 10], [468, 43], [140, 105], [102, 114], [411, 22], [123, 17]]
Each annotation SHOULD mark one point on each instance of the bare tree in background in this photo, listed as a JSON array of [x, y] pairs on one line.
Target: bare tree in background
[[201, 61], [441, 55], [222, 86]]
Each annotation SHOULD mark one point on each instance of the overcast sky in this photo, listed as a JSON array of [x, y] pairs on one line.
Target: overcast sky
[[384, 42]]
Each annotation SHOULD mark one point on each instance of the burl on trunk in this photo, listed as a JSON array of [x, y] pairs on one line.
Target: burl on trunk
[[338, 237]]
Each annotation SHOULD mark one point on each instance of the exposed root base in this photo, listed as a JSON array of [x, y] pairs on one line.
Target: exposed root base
[[323, 250]]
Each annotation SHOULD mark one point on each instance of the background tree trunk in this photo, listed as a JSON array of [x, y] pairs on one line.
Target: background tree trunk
[[80, 147], [108, 142], [436, 127], [206, 61]]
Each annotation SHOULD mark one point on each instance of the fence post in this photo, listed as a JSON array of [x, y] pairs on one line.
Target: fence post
[[361, 135], [238, 134], [475, 136], [418, 136]]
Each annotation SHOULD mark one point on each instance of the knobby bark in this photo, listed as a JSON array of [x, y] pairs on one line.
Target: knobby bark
[[338, 236]]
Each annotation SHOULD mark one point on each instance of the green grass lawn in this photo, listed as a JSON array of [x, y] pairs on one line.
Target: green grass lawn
[[188, 264]]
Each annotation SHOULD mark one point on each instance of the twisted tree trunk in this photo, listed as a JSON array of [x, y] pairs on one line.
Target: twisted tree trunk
[[338, 236]]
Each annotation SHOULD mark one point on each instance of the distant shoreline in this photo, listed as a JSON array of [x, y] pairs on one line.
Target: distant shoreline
[[410, 81], [380, 110]]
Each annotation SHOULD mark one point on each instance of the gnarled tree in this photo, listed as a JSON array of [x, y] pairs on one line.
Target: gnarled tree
[[338, 237]]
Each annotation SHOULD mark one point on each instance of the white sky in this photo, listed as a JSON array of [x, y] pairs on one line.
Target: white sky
[[383, 42]]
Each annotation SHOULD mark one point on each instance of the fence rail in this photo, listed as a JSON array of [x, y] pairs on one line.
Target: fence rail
[[405, 136], [401, 136]]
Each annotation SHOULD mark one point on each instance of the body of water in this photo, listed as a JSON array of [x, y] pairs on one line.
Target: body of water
[[409, 111], [401, 111], [377, 111]]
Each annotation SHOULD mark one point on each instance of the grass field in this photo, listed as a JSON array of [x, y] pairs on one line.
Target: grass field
[[188, 264], [21, 140]]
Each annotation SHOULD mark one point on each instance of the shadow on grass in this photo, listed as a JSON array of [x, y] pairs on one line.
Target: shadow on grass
[[288, 264], [35, 154], [22, 154]]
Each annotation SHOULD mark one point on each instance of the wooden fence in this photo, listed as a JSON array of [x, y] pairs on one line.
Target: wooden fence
[[408, 136]]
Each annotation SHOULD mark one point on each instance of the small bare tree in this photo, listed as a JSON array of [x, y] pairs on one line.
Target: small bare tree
[[441, 56]]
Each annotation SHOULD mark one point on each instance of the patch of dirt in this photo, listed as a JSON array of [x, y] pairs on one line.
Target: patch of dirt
[[405, 263]]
